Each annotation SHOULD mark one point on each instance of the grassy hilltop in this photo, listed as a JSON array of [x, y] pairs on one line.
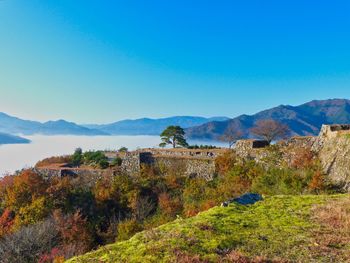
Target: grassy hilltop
[[305, 228]]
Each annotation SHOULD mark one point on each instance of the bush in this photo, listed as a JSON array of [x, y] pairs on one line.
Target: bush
[[123, 149], [225, 162], [127, 229], [74, 232], [117, 161], [281, 181], [29, 243], [32, 213], [95, 158], [77, 157]]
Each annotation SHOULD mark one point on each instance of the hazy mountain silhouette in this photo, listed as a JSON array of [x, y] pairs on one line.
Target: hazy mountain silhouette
[[305, 119], [11, 139], [147, 126]]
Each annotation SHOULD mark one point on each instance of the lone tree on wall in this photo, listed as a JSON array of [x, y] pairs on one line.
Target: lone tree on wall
[[231, 136], [270, 130], [173, 135]]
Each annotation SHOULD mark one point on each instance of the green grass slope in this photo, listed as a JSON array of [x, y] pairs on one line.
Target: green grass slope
[[281, 228]]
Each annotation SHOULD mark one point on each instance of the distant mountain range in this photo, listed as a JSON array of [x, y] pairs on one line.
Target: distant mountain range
[[14, 125], [11, 139], [146, 126], [305, 119]]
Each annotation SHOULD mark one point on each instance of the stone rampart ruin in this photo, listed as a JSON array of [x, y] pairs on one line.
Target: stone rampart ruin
[[249, 148], [196, 162], [334, 130], [331, 147]]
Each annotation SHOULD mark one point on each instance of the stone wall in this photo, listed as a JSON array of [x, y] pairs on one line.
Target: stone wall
[[189, 167], [331, 147], [196, 162], [334, 130], [185, 153], [88, 176], [131, 162], [249, 148], [335, 159]]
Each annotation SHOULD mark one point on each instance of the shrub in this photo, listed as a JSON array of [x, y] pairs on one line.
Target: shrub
[[36, 211], [123, 149], [225, 162], [127, 229], [6, 222], [103, 164], [24, 188], [117, 161], [77, 157], [302, 158], [170, 205], [195, 193], [29, 243], [54, 256], [317, 183], [281, 181], [73, 230], [95, 158]]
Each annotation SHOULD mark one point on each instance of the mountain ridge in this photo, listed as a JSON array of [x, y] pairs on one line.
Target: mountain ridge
[[14, 125], [143, 126], [11, 139], [304, 119], [149, 126]]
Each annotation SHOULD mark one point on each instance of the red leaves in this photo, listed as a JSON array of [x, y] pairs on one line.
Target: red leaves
[[73, 230], [6, 222]]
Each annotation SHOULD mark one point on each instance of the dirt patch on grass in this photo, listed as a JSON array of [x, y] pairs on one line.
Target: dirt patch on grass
[[332, 238]]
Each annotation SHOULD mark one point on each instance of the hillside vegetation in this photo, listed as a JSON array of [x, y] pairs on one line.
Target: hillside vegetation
[[51, 219], [281, 229]]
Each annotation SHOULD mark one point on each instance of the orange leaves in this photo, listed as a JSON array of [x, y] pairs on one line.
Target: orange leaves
[[317, 182], [170, 206], [225, 162], [25, 187], [302, 158], [73, 230], [6, 222]]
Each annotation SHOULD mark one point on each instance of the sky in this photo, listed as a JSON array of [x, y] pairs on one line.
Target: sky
[[98, 61]]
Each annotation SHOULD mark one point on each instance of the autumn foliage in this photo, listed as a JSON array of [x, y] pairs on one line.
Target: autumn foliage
[[75, 214]]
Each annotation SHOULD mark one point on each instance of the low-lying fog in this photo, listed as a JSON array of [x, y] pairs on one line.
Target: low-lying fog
[[17, 156]]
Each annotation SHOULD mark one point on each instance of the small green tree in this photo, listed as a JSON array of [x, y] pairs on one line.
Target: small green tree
[[123, 149], [77, 157], [173, 135]]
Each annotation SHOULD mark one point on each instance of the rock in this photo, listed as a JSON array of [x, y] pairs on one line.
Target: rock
[[246, 199]]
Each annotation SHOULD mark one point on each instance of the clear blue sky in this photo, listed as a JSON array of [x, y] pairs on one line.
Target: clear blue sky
[[100, 60]]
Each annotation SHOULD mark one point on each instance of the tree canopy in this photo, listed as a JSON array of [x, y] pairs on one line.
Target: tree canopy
[[270, 130], [231, 136], [173, 135]]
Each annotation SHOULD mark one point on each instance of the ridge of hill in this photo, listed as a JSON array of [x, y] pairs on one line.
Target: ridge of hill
[[291, 228], [305, 119]]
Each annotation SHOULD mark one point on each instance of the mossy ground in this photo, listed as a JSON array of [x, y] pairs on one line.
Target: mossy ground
[[279, 227]]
